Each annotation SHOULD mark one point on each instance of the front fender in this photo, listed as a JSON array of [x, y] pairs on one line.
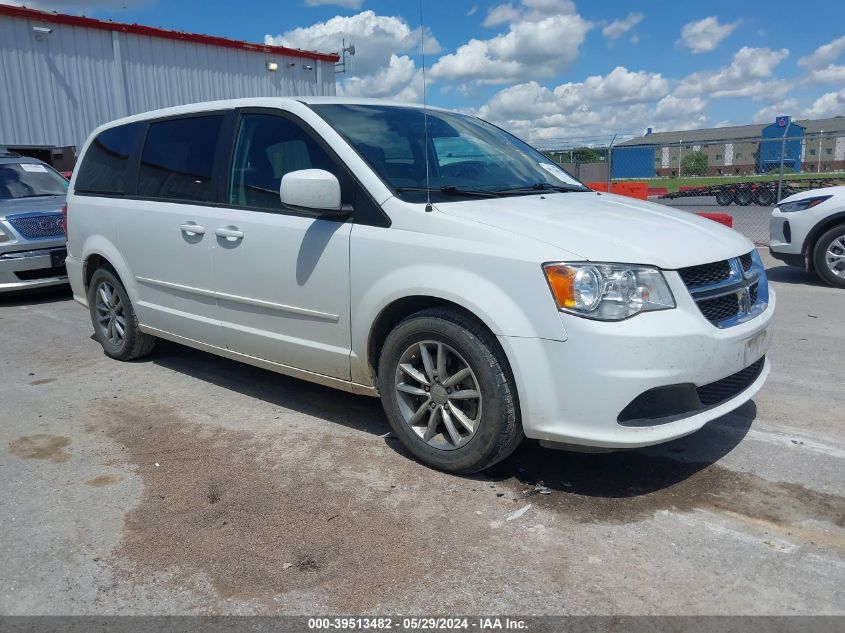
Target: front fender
[[512, 308]]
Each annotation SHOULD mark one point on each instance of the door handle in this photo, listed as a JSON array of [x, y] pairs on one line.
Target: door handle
[[192, 229], [230, 234]]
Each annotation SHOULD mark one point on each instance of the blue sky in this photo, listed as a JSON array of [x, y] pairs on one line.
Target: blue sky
[[552, 70]]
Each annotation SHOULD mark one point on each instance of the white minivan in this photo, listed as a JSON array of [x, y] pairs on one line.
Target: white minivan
[[423, 256]]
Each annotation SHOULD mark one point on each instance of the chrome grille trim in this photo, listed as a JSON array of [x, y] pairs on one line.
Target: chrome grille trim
[[729, 300], [34, 226]]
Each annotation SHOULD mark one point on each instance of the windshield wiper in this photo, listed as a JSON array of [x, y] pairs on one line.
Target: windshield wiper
[[541, 186], [454, 190]]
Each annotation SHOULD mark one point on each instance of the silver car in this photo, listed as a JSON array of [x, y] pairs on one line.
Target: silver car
[[32, 236]]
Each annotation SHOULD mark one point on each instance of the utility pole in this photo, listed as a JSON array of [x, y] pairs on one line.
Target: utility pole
[[680, 151], [819, 165]]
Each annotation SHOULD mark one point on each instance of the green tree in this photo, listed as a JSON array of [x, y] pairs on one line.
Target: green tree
[[694, 164], [586, 155]]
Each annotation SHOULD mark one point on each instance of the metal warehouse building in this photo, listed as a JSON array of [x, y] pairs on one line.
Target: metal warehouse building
[[64, 75]]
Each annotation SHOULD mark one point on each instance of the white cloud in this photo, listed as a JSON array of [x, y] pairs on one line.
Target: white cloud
[[376, 39], [824, 54], [472, 10], [705, 35], [747, 76], [378, 69], [618, 28], [530, 49], [400, 80], [828, 105], [768, 114], [619, 101], [501, 14], [830, 74]]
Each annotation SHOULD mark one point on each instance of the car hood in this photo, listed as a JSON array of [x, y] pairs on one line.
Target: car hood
[[48, 204], [608, 228]]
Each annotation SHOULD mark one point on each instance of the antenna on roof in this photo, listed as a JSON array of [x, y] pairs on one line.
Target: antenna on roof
[[425, 112], [340, 67]]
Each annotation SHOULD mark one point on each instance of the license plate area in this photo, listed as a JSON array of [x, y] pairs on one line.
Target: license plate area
[[757, 346], [57, 257]]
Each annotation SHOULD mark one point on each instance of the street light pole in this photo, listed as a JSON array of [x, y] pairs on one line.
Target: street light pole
[[819, 165], [680, 152]]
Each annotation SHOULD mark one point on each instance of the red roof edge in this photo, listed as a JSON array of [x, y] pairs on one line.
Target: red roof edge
[[152, 31]]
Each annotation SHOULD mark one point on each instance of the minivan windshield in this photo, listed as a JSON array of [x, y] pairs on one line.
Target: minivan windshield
[[30, 180], [467, 157]]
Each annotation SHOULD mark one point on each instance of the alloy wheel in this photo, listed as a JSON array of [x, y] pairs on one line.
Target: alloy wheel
[[438, 394], [835, 257], [111, 318]]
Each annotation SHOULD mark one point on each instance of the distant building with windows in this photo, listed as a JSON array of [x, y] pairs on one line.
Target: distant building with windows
[[64, 75], [811, 145]]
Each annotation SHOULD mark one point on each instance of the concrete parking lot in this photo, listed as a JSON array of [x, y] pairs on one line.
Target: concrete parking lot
[[186, 483]]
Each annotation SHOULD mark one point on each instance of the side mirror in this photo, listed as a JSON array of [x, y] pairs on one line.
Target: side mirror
[[313, 191]]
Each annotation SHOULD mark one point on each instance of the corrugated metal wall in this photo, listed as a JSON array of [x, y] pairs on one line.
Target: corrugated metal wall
[[55, 88]]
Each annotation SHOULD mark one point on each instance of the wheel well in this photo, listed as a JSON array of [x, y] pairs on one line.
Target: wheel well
[[817, 231], [92, 263], [400, 309]]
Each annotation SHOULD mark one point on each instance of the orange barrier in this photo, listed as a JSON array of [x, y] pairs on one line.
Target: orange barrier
[[657, 191], [630, 189], [721, 218]]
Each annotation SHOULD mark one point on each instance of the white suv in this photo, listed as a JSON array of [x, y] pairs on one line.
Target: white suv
[[421, 255], [808, 230]]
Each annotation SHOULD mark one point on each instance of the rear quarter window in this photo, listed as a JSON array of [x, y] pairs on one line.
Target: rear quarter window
[[105, 166]]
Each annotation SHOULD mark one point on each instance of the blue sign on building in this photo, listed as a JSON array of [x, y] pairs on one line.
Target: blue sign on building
[[773, 139]]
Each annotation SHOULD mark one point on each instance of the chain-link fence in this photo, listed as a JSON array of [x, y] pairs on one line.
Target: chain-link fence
[[743, 177]]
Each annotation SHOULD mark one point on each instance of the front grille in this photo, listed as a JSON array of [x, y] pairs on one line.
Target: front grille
[[728, 292], [726, 388], [662, 405], [719, 308], [41, 273], [706, 274], [33, 227]]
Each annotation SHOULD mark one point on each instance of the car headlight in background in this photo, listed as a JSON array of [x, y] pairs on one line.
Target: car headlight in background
[[607, 292], [801, 205]]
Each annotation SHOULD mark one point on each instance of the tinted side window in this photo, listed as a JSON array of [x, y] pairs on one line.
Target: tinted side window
[[178, 159], [105, 166], [268, 147]]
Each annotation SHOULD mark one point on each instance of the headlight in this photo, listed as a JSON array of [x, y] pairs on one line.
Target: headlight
[[607, 292], [801, 205]]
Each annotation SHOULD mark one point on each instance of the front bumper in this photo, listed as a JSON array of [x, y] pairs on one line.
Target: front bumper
[[573, 392], [32, 268]]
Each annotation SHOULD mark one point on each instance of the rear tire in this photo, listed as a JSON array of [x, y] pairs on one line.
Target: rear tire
[[114, 319], [764, 197], [829, 256], [743, 197], [456, 431], [724, 198]]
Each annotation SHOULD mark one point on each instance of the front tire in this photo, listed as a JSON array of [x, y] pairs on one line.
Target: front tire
[[829, 256], [448, 393], [114, 319]]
